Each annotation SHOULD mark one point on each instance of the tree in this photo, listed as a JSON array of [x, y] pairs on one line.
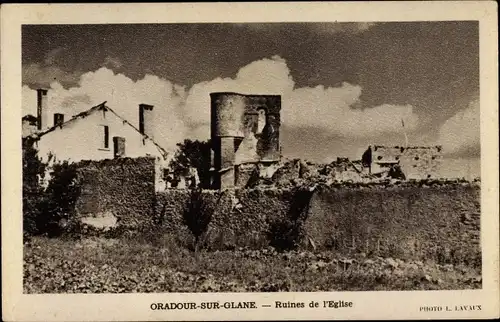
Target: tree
[[44, 207], [196, 154], [62, 194], [33, 192], [197, 214]]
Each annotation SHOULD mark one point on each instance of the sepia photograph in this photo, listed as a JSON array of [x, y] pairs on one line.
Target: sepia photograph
[[172, 158], [252, 157]]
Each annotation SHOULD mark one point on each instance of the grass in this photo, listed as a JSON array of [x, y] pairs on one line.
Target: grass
[[95, 265]]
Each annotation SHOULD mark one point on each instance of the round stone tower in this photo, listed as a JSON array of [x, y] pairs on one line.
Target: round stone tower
[[228, 112], [246, 126]]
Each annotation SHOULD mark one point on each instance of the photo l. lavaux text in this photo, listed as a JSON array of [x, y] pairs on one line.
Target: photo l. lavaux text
[[251, 157]]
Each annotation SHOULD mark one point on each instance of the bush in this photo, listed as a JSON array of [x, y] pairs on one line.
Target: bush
[[285, 234], [197, 215], [45, 208], [288, 233], [33, 192], [62, 193]]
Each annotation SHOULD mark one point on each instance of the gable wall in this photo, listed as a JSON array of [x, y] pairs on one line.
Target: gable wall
[[82, 139]]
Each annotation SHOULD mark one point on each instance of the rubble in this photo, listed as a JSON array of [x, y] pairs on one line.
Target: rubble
[[301, 173]]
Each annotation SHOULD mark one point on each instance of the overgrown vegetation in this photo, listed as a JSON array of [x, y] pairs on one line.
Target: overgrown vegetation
[[132, 265], [46, 210], [160, 260], [195, 154], [287, 233], [33, 173], [197, 215]]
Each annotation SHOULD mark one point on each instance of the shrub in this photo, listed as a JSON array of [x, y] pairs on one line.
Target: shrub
[[287, 233], [62, 193], [45, 208], [197, 215], [33, 192]]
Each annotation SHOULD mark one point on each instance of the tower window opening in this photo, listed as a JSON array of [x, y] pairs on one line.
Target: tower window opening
[[261, 121]]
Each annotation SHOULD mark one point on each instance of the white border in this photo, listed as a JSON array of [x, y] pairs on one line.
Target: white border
[[132, 307]]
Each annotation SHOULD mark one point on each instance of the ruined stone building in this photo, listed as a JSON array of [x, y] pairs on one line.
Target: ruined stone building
[[416, 162], [244, 136], [96, 134]]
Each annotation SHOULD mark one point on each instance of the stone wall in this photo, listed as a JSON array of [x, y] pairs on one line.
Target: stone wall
[[416, 162], [412, 219], [418, 219], [123, 188], [406, 219], [241, 217]]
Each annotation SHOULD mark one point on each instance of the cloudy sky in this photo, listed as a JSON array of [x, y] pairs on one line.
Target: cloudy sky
[[343, 85]]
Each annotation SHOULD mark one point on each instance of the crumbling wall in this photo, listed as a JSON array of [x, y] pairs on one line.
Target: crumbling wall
[[268, 147], [246, 215], [414, 219], [289, 172], [344, 169], [416, 162], [417, 219], [405, 219], [241, 218], [420, 162], [244, 174], [298, 172], [123, 188]]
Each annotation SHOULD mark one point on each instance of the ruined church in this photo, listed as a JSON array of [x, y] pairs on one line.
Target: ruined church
[[245, 137]]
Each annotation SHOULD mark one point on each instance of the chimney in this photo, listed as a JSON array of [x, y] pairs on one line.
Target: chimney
[[146, 119], [41, 108], [58, 119]]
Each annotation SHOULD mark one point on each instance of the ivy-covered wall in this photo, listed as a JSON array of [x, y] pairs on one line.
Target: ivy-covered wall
[[122, 187]]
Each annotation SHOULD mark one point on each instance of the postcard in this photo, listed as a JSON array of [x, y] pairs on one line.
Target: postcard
[[250, 161]]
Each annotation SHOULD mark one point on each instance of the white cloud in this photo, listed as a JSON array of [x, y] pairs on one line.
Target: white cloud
[[330, 109], [123, 95], [185, 113], [265, 76], [461, 131], [327, 108]]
